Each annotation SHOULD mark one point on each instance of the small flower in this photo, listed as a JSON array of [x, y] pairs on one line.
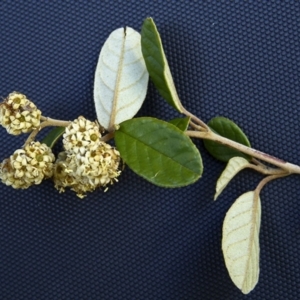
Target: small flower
[[27, 166], [97, 167], [80, 135], [18, 114]]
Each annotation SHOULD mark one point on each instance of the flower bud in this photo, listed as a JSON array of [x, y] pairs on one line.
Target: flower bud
[[18, 114]]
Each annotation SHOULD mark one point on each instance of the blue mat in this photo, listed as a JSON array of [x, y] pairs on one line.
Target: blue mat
[[238, 59]]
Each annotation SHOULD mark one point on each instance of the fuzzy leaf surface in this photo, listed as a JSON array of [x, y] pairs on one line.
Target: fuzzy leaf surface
[[121, 78], [181, 123], [234, 166], [157, 64], [240, 241], [52, 137], [159, 152], [230, 130]]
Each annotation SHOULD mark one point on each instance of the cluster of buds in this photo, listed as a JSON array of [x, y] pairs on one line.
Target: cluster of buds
[[87, 163], [18, 114], [27, 166], [34, 162]]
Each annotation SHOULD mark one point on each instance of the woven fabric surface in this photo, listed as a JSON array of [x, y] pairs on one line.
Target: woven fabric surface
[[238, 59]]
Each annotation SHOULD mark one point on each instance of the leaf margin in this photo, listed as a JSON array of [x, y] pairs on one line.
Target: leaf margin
[[157, 64]]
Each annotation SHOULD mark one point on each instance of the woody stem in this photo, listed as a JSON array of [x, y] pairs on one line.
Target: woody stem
[[210, 135]]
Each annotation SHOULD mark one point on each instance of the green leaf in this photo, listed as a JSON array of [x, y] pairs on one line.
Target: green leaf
[[159, 152], [157, 64], [230, 130], [181, 123], [51, 138]]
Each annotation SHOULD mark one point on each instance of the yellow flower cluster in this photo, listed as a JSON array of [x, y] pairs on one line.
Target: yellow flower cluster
[[87, 163], [27, 166], [18, 114]]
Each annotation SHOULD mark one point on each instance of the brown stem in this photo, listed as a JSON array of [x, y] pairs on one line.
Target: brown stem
[[266, 170], [266, 180], [46, 122], [54, 122], [257, 162], [196, 121], [108, 136], [289, 167]]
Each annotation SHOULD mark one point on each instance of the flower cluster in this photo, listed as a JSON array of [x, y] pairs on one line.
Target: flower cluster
[[87, 163], [27, 166], [18, 114]]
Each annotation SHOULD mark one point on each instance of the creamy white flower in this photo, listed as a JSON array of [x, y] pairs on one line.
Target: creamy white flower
[[80, 135], [97, 167], [27, 166], [18, 114]]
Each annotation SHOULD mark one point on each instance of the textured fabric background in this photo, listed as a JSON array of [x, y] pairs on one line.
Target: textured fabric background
[[238, 59]]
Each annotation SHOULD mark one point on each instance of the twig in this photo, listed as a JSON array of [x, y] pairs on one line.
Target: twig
[[200, 123], [210, 135], [46, 122]]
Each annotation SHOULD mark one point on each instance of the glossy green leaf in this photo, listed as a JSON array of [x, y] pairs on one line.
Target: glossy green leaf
[[52, 137], [157, 64], [159, 152], [230, 130], [181, 123]]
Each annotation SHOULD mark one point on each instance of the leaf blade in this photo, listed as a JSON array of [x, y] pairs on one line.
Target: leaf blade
[[157, 64], [234, 166], [230, 130], [240, 241], [121, 78], [159, 152], [181, 123], [52, 137]]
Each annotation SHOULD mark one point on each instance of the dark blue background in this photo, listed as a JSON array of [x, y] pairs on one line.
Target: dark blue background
[[238, 59]]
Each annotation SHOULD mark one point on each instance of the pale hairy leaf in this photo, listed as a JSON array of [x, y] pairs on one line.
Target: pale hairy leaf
[[234, 165], [121, 78], [240, 241]]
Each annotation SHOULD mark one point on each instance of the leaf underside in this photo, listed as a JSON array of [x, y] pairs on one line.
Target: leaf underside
[[230, 130], [121, 78], [234, 166], [157, 64], [159, 152], [240, 241]]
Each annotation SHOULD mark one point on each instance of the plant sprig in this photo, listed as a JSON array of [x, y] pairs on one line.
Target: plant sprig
[[225, 141], [159, 151]]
